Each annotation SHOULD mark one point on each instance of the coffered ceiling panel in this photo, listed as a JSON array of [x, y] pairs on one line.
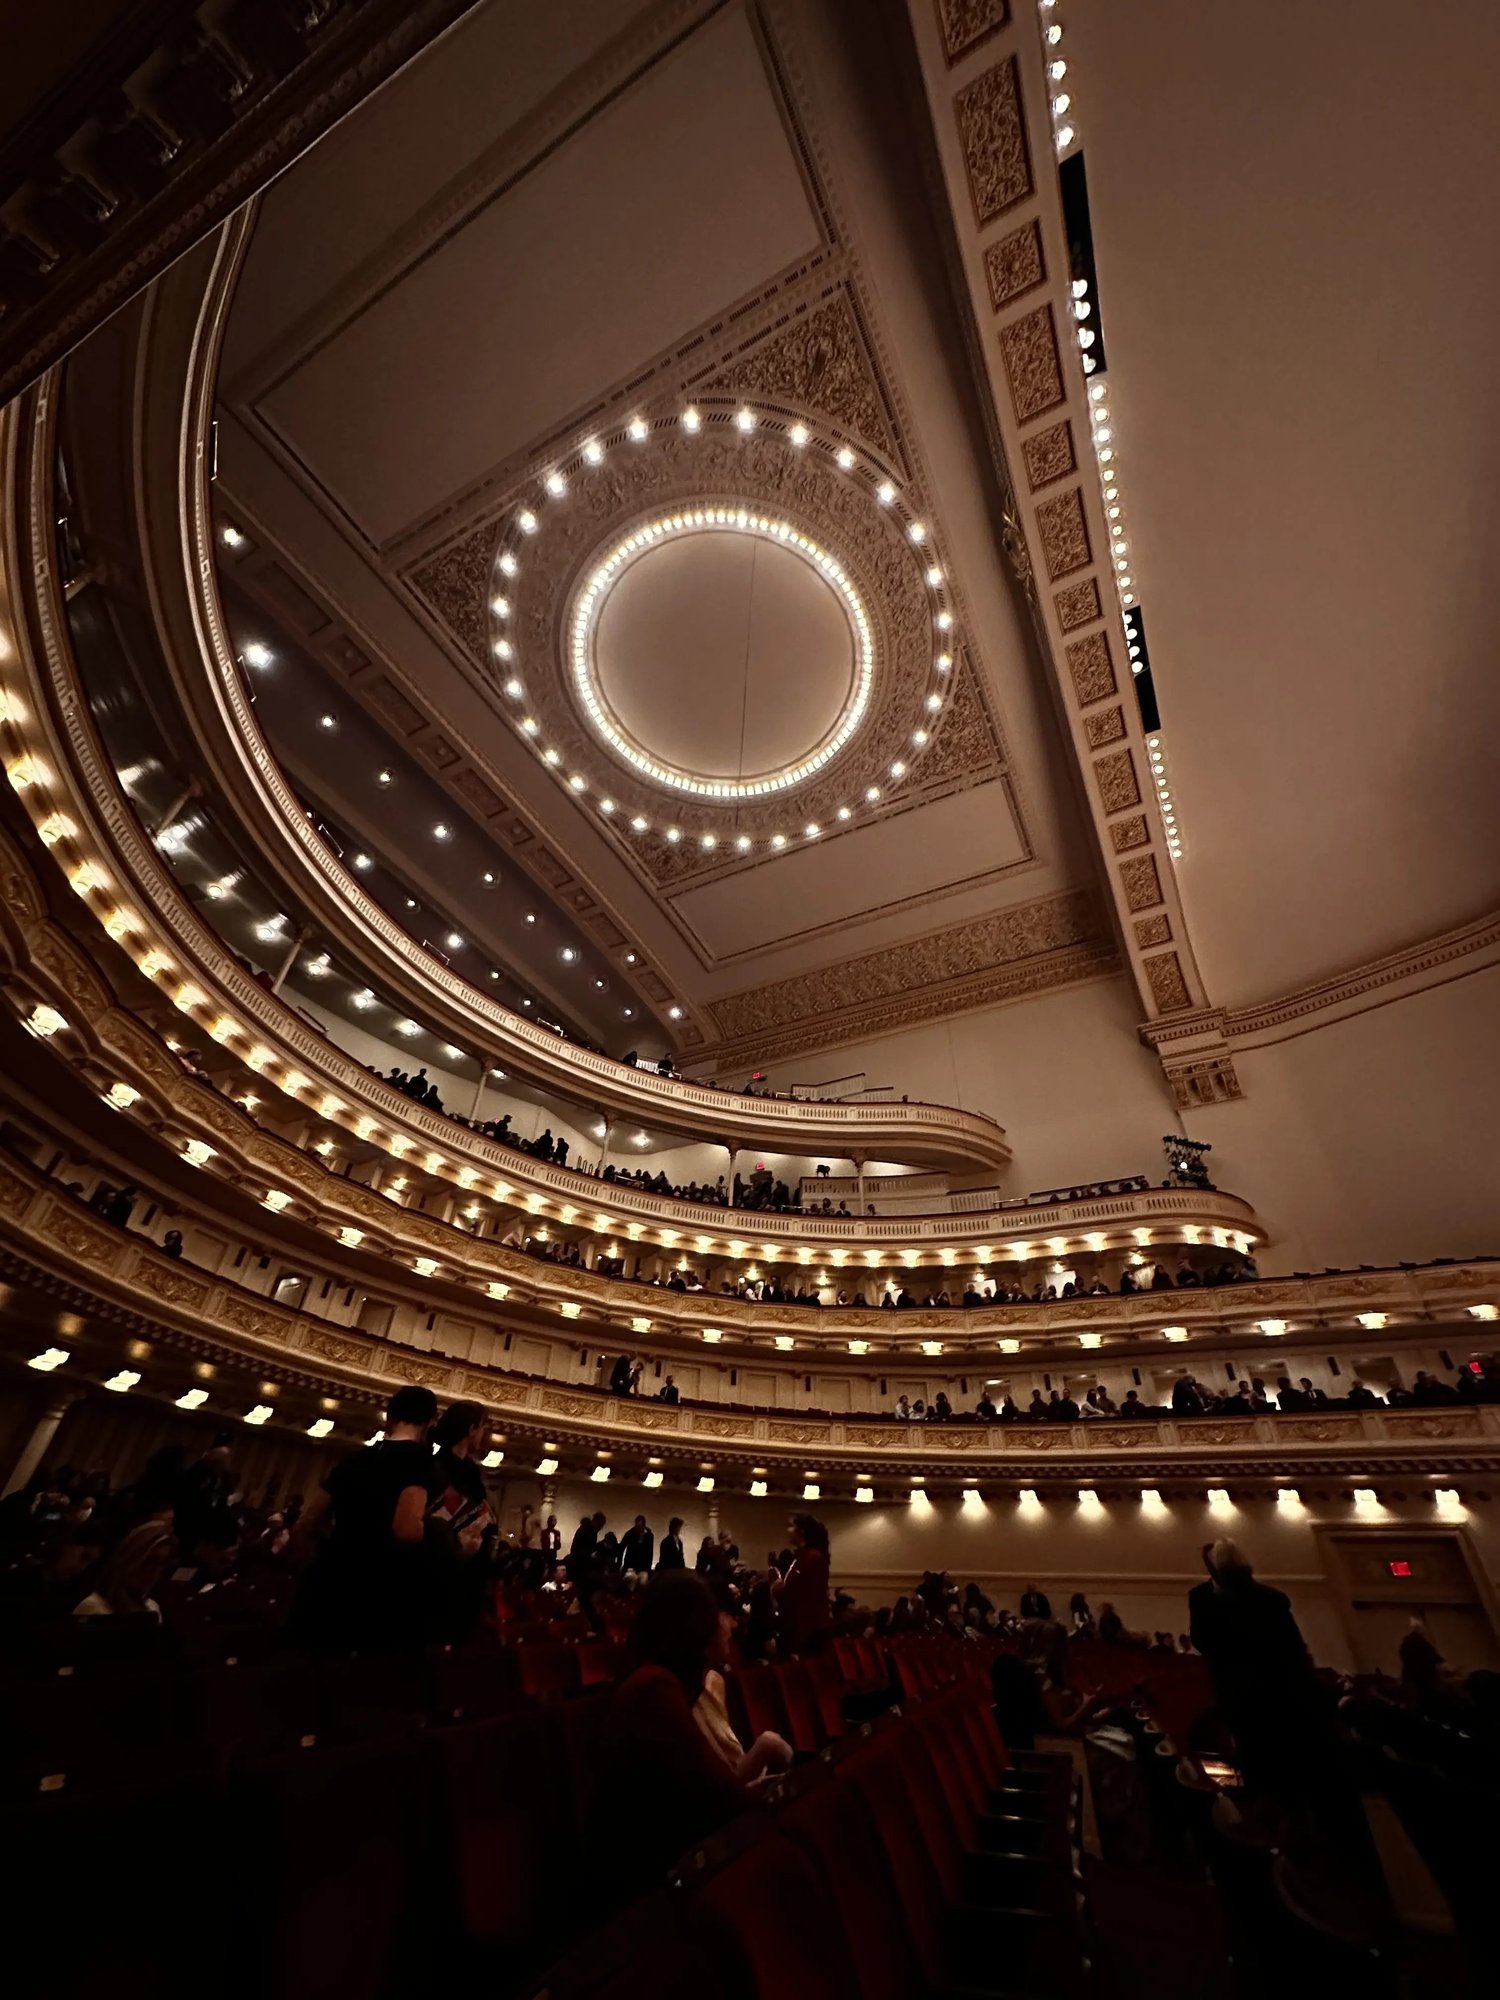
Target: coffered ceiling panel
[[632, 229]]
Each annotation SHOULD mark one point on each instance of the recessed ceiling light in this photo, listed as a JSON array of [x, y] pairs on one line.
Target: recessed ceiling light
[[872, 793], [674, 834], [504, 650], [593, 452], [630, 1013], [885, 493], [744, 420], [710, 840], [556, 485], [934, 576], [636, 429], [812, 830], [917, 532], [257, 655], [599, 985], [778, 840], [440, 832], [639, 824], [328, 722], [944, 662], [531, 916], [531, 725], [674, 1013], [630, 958], [411, 903], [844, 813], [577, 784], [934, 702], [382, 777], [743, 843], [525, 1003], [945, 621], [568, 954], [898, 769], [488, 876], [363, 999], [526, 521], [551, 757], [500, 606], [455, 942], [231, 537], [798, 435], [844, 457], [919, 737], [508, 564], [691, 419]]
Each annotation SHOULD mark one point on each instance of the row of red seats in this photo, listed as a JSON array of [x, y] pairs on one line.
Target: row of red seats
[[911, 1859]]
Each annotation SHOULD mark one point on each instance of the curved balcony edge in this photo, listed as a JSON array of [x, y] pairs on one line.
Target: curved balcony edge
[[180, 329]]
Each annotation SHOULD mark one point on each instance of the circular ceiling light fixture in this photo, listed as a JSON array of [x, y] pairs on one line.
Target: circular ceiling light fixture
[[698, 524]]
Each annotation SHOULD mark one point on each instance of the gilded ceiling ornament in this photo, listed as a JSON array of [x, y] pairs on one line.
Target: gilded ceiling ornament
[[820, 363], [966, 23], [1015, 264], [992, 134], [1028, 347]]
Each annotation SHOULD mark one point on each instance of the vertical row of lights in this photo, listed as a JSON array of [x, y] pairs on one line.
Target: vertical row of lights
[[1101, 425], [1158, 758]]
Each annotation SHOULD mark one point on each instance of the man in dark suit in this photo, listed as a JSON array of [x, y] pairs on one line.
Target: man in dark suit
[[670, 1555], [1035, 1603], [638, 1546]]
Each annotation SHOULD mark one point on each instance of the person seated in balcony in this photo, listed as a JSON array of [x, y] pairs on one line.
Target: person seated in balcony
[[984, 1409], [1316, 1398], [903, 1410], [1132, 1405], [1288, 1398], [1037, 1411], [1010, 1411], [1097, 1403], [1260, 1402], [904, 1300], [1062, 1409], [677, 1283], [919, 1411], [1187, 1398], [1070, 1290], [888, 1300], [1186, 1275], [942, 1409], [971, 1297], [1098, 1289], [1128, 1282], [1240, 1403], [1361, 1398], [171, 1243], [619, 1376], [668, 1392], [1161, 1279], [1428, 1393]]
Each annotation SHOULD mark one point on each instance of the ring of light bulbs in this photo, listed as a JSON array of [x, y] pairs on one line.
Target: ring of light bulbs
[[554, 486], [699, 520]]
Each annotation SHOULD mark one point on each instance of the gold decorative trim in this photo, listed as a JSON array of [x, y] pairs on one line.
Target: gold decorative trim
[[1015, 265], [1077, 605], [964, 24], [1028, 347], [992, 134], [1049, 455]]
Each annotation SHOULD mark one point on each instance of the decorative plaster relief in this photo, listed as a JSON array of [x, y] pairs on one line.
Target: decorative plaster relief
[[992, 133], [964, 24], [1049, 455], [1064, 533], [1141, 882], [1115, 777], [1106, 727], [1015, 265], [1153, 930], [1077, 605], [821, 362], [1028, 347], [1128, 833], [1168, 987]]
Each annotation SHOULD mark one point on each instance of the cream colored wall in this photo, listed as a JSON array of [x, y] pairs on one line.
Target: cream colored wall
[[1372, 1140], [1066, 1074], [1368, 1140]]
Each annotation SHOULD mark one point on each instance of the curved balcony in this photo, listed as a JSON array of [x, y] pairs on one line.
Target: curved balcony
[[128, 1306], [172, 346]]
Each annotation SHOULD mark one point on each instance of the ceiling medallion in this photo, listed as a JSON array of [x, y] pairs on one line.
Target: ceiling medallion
[[680, 481], [720, 520]]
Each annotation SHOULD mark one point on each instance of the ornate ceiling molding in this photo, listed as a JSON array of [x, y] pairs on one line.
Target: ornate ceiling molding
[[989, 99], [1006, 956]]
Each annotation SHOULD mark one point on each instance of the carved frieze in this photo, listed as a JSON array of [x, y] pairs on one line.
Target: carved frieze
[[1116, 779], [1141, 882], [1128, 833], [1077, 605], [1049, 454], [1168, 987], [1092, 668], [819, 364], [174, 1288], [1108, 726], [336, 1348], [260, 1322], [92, 1243]]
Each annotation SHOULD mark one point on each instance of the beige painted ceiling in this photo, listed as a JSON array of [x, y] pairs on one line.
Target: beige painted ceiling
[[565, 217], [1296, 216]]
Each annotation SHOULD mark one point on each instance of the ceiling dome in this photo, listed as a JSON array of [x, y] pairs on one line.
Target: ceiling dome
[[721, 652]]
